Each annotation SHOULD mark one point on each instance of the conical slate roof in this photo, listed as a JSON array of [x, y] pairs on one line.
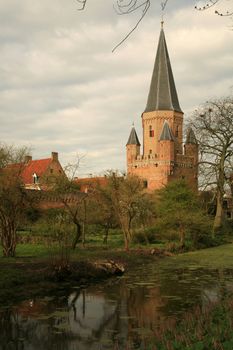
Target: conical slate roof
[[166, 133], [191, 138], [162, 94], [133, 138]]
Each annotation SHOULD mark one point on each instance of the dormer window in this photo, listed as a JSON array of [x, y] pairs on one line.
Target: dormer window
[[151, 131], [35, 178]]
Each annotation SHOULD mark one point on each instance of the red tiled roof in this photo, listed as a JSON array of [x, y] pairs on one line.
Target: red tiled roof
[[35, 166], [88, 182]]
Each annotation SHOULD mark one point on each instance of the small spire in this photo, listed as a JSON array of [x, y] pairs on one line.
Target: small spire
[[166, 134], [133, 138], [191, 138]]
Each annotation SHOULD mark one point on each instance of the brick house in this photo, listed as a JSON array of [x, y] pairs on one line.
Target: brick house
[[164, 157], [37, 173]]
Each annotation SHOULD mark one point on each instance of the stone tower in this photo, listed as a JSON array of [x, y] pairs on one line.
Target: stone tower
[[164, 158]]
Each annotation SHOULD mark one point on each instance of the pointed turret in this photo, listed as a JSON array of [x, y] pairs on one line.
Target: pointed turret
[[133, 148], [133, 138], [166, 134], [191, 148], [162, 94], [191, 138], [167, 144]]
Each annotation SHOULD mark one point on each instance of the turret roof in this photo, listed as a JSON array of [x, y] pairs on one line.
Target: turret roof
[[191, 138], [133, 138], [162, 94], [166, 133]]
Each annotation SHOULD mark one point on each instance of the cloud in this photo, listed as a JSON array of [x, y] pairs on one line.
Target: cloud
[[62, 89]]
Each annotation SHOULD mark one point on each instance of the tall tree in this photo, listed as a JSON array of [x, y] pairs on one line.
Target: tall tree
[[68, 193], [128, 200], [180, 213], [213, 125], [100, 208], [14, 199]]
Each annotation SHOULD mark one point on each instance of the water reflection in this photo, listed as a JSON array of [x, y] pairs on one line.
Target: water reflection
[[119, 312]]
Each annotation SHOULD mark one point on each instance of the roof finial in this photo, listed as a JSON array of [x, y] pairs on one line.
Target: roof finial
[[133, 124], [162, 21], [163, 6]]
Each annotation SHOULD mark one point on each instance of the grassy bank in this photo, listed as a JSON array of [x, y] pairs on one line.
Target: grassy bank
[[33, 267], [33, 262], [220, 257]]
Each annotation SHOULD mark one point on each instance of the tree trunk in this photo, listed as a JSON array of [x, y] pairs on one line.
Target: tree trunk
[[126, 244], [84, 235], [219, 213], [219, 200], [182, 237], [9, 241], [126, 238], [77, 235], [106, 229]]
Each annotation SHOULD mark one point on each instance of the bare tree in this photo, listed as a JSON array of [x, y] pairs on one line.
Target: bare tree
[[100, 208], [14, 199], [67, 190], [213, 124], [128, 200]]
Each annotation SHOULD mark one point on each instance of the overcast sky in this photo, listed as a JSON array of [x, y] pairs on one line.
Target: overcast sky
[[62, 89]]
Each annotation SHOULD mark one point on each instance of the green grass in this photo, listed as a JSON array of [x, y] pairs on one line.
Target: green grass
[[217, 257], [26, 252]]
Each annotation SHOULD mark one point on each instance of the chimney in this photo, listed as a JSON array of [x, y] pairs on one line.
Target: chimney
[[54, 156], [27, 159]]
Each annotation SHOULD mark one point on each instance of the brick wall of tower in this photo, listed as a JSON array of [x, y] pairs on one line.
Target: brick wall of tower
[[132, 151], [157, 171], [153, 121]]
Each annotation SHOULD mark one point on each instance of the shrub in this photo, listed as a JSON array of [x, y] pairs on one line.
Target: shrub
[[226, 228], [145, 236], [180, 213], [33, 214]]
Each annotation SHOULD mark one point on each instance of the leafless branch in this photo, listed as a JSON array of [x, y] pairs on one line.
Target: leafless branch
[[82, 4], [164, 4], [132, 6], [210, 3]]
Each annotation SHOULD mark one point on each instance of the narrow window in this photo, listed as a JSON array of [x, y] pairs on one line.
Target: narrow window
[[145, 184], [151, 132], [177, 131]]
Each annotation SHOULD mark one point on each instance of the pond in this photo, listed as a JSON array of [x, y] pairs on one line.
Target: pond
[[115, 314]]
